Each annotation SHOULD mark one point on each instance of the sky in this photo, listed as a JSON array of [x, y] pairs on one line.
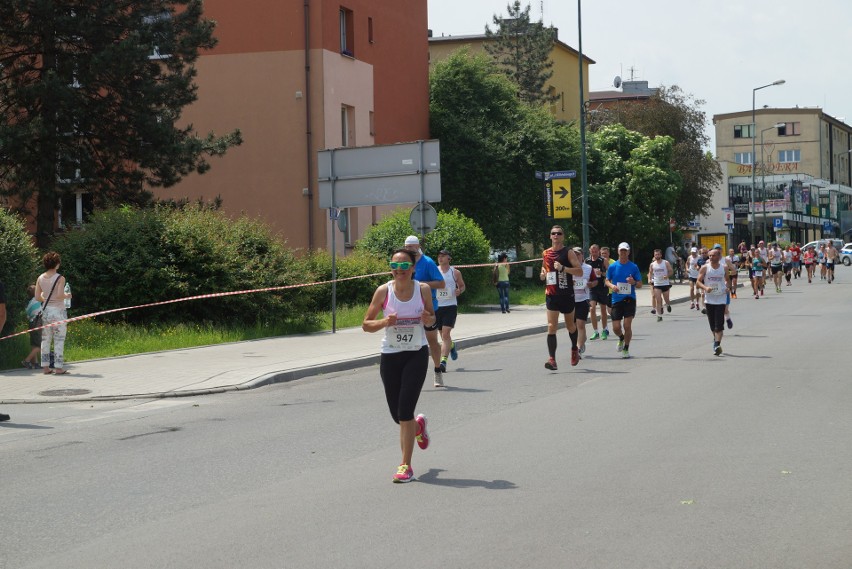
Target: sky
[[717, 51]]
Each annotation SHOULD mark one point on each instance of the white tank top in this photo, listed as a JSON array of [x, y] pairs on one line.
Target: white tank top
[[715, 278], [408, 314], [581, 284], [447, 295], [692, 267], [660, 272]]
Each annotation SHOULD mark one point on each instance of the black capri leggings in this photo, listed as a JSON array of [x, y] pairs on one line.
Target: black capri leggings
[[716, 316], [403, 374]]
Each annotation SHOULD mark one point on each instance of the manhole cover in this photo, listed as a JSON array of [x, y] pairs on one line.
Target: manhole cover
[[64, 392]]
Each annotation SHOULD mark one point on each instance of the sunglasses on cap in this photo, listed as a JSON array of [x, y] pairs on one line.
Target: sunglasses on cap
[[401, 266], [556, 233]]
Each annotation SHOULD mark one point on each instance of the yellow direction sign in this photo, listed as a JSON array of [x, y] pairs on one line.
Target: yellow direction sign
[[561, 192]]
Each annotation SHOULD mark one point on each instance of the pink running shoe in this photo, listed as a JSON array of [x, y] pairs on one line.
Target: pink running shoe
[[422, 436], [403, 474]]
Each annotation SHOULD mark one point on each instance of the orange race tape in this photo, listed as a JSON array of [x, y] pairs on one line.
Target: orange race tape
[[219, 295]]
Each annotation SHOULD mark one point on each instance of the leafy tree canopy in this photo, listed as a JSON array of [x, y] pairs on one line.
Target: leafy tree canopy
[[91, 95], [633, 187], [491, 146], [673, 113]]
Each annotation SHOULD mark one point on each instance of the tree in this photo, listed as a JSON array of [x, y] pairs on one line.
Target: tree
[[522, 50], [91, 95], [673, 113], [633, 187], [491, 146]]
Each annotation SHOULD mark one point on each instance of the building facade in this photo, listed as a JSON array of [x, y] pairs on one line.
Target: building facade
[[788, 173], [566, 71], [296, 78]]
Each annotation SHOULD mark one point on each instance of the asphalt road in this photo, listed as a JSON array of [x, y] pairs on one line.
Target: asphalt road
[[674, 458]]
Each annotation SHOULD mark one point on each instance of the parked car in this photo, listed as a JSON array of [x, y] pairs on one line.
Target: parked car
[[838, 244], [846, 254]]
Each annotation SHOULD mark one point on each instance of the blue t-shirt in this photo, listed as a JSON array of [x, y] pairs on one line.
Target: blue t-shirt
[[618, 273], [427, 270]]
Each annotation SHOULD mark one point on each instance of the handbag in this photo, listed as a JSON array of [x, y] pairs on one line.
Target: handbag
[[38, 321], [494, 275]]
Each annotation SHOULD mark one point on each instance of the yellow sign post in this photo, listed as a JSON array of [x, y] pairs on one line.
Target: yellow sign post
[[561, 192]]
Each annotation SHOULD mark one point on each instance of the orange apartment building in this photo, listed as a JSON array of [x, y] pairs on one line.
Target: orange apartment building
[[296, 77]]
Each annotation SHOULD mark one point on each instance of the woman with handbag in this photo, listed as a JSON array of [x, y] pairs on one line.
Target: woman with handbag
[[50, 288], [500, 276]]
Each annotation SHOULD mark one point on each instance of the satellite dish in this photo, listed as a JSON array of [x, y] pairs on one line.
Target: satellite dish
[[616, 82]]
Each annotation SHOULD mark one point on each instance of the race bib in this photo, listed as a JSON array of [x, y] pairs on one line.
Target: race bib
[[758, 273], [624, 288], [444, 294], [714, 288], [406, 335], [551, 278], [579, 283]]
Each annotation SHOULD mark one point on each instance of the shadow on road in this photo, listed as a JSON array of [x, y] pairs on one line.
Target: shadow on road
[[23, 426], [432, 477]]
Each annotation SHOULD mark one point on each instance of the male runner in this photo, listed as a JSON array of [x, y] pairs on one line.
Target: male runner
[[692, 274], [796, 251], [582, 286], [711, 279], [787, 264], [830, 260], [447, 311], [776, 265], [559, 267], [658, 273], [758, 266], [733, 261], [623, 278], [598, 294], [426, 271]]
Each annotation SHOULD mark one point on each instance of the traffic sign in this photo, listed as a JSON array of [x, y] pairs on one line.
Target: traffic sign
[[672, 223], [561, 192], [777, 223], [560, 174], [425, 212]]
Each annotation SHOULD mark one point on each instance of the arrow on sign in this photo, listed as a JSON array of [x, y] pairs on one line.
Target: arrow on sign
[[562, 192]]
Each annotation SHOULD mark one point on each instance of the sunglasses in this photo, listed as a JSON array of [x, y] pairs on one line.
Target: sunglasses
[[556, 233], [402, 266]]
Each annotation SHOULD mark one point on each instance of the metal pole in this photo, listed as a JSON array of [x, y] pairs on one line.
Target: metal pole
[[763, 186], [583, 182], [753, 163], [422, 190], [333, 251]]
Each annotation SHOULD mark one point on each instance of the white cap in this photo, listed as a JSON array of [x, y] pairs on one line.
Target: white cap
[[412, 240], [694, 250], [623, 245]]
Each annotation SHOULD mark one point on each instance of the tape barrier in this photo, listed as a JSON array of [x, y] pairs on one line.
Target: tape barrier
[[223, 294]]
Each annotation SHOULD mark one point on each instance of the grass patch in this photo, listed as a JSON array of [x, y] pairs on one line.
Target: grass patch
[[94, 339]]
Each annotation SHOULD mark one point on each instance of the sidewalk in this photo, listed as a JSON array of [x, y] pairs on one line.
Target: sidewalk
[[250, 364]]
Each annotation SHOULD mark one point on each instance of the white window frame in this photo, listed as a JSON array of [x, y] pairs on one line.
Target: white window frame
[[743, 158], [789, 156]]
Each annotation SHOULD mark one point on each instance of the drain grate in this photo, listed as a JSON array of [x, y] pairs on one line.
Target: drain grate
[[64, 392]]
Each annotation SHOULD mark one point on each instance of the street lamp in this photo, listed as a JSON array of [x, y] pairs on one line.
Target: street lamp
[[584, 185], [763, 175], [754, 150]]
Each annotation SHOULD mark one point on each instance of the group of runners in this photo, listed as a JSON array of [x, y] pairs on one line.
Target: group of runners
[[419, 305]]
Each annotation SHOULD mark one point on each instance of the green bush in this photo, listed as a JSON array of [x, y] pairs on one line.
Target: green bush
[[317, 268], [454, 231], [18, 268], [125, 257]]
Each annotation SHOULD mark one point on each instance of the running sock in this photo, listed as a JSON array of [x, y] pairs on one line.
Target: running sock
[[444, 359], [573, 336], [551, 345]]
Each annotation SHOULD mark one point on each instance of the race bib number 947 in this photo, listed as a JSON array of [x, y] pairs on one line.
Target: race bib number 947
[[407, 335]]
